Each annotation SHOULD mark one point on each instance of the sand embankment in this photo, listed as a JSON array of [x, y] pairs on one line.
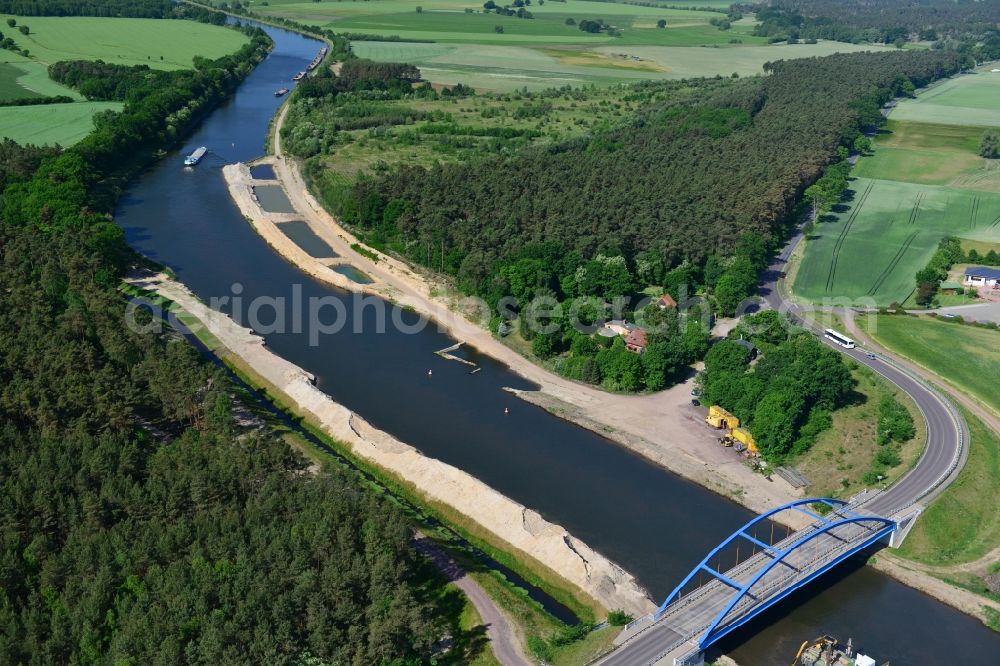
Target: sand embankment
[[522, 528], [663, 427]]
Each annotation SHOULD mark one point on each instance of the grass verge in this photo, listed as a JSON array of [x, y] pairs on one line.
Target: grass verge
[[967, 357], [962, 524], [842, 455]]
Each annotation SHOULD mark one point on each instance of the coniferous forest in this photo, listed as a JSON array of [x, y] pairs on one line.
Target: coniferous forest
[[142, 521], [683, 182]]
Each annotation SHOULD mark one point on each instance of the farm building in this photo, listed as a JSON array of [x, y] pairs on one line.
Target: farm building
[[980, 276], [615, 328], [946, 287], [636, 341]]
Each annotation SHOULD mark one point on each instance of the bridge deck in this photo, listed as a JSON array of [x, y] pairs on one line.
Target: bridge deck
[[685, 621]]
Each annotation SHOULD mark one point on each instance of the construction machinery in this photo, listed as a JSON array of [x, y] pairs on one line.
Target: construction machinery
[[720, 418], [737, 436]]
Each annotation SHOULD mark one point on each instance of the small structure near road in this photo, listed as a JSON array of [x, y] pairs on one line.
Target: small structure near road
[[948, 287], [616, 328], [666, 302]]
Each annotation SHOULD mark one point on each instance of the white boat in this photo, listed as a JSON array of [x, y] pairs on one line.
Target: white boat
[[195, 157]]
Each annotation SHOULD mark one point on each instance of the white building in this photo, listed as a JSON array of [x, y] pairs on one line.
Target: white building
[[981, 276]]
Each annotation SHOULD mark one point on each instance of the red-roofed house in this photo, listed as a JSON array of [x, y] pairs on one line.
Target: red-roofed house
[[635, 341], [666, 302]]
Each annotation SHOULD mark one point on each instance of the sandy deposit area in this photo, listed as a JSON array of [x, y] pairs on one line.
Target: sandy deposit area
[[520, 527], [664, 427]]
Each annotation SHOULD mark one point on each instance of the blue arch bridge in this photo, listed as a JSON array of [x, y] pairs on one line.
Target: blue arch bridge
[[710, 603]]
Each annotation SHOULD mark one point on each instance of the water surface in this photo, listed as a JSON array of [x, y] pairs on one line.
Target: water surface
[[653, 523]]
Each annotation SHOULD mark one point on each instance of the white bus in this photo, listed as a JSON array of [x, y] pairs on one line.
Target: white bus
[[841, 340]]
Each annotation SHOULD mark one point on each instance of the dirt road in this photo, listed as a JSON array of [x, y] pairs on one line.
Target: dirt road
[[500, 631]]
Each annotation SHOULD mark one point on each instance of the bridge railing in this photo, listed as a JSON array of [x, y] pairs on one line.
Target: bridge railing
[[773, 587]]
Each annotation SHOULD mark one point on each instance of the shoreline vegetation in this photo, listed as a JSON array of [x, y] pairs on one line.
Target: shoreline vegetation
[[428, 481], [941, 595], [71, 295], [960, 599], [136, 479]]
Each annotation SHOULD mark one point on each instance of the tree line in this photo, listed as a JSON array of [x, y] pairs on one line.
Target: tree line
[[969, 27], [110, 8], [682, 182], [141, 521], [690, 194], [787, 396]]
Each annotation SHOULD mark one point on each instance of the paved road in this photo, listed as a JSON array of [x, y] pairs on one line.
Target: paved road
[[503, 640], [943, 457], [946, 451], [976, 311]]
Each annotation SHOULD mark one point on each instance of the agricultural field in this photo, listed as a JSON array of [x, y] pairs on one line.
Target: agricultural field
[[505, 68], [968, 357], [924, 181], [62, 124], [9, 86], [888, 231], [930, 154], [24, 78], [969, 99], [459, 46], [162, 44]]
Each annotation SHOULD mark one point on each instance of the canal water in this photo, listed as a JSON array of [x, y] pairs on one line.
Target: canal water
[[653, 523]]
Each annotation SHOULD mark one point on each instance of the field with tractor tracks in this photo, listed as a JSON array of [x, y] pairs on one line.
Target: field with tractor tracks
[[923, 181]]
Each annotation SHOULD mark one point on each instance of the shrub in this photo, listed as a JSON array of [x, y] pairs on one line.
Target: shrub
[[619, 618]]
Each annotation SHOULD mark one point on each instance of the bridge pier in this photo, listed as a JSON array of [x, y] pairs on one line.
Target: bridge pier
[[904, 525]]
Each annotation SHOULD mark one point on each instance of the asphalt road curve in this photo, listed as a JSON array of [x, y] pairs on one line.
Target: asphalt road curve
[[947, 433], [941, 461]]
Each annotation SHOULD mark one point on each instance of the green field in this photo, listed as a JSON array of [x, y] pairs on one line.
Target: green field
[[965, 356], [23, 78], [968, 99], [500, 67], [684, 28], [958, 526], [329, 11], [544, 52], [64, 124], [962, 525], [871, 251], [924, 181], [930, 154], [163, 44], [9, 87]]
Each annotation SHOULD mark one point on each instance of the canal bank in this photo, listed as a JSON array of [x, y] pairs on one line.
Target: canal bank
[[663, 427], [517, 526], [654, 524]]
